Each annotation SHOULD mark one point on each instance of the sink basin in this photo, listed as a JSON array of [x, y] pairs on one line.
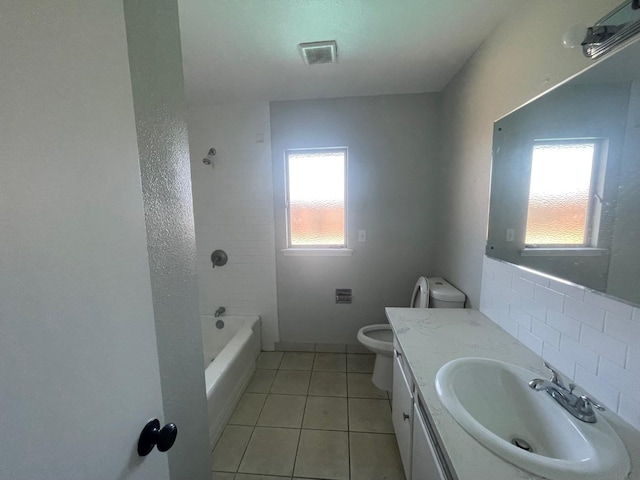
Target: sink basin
[[492, 401]]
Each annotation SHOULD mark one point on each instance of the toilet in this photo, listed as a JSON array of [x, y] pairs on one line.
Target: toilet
[[433, 292]]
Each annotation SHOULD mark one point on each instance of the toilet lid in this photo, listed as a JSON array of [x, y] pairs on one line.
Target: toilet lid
[[420, 296]]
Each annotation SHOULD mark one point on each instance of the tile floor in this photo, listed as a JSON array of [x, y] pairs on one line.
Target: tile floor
[[308, 415]]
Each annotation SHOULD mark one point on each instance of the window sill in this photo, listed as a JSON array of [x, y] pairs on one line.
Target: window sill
[[317, 252], [563, 252]]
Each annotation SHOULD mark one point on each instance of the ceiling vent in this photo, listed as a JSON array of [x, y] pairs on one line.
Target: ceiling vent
[[317, 53]]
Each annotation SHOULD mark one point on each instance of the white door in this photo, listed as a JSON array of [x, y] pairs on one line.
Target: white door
[[79, 373]]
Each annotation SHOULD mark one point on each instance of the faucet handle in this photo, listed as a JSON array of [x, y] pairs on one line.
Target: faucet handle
[[555, 377], [584, 404]]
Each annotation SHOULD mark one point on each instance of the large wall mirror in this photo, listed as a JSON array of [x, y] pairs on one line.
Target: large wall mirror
[[565, 184]]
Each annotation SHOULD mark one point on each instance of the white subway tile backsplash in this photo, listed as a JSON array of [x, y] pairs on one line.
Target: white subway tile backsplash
[[533, 277], [608, 304], [586, 314], [530, 340], [619, 378], [633, 360], [523, 287], [564, 324], [583, 356], [596, 388], [592, 339], [533, 308], [625, 330], [558, 360], [520, 317], [548, 297], [567, 289], [604, 345], [629, 409], [502, 277], [548, 335]]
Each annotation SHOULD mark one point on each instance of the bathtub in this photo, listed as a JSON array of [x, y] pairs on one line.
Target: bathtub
[[230, 357]]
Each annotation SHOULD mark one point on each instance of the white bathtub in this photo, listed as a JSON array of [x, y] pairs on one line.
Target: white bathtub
[[234, 350]]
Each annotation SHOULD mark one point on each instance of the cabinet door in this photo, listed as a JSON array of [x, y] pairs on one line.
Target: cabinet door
[[401, 413], [424, 464]]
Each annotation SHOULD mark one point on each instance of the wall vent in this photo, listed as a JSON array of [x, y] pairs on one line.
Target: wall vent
[[317, 53]]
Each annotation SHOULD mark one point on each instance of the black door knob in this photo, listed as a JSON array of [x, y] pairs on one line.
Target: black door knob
[[152, 435]]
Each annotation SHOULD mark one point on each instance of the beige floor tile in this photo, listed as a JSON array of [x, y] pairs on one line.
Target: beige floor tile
[[374, 457], [360, 363], [249, 476], [330, 362], [297, 361], [248, 409], [261, 381], [326, 413], [357, 348], [323, 454], [271, 451], [230, 448], [360, 386], [328, 384], [283, 411], [331, 347], [369, 415], [291, 382], [223, 476], [269, 360], [295, 347]]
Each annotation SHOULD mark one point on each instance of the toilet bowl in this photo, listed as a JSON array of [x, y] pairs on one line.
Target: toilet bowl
[[379, 337]]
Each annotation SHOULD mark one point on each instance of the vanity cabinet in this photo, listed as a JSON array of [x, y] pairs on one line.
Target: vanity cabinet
[[422, 457], [402, 412], [425, 463]]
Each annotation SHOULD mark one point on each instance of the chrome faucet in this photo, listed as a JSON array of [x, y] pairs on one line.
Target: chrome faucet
[[219, 311], [580, 407]]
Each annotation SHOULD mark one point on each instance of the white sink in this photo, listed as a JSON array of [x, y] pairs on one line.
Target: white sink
[[492, 401]]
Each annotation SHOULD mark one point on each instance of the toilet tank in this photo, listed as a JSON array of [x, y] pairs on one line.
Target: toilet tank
[[444, 295]]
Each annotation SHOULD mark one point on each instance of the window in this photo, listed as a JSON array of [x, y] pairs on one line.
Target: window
[[565, 194], [316, 199]]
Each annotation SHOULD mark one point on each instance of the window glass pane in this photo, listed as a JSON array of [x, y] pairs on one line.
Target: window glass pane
[[559, 194], [316, 198]]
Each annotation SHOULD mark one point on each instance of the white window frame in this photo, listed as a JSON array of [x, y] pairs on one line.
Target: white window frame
[[316, 250], [594, 209]]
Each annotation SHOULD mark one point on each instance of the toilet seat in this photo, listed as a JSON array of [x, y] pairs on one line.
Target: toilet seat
[[378, 338], [420, 295]]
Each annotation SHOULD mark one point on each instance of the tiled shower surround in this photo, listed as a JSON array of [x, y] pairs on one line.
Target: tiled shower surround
[[591, 339]]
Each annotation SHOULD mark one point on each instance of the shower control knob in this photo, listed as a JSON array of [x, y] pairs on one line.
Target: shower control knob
[[154, 436]]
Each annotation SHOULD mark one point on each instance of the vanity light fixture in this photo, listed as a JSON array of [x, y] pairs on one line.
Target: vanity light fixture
[[617, 26]]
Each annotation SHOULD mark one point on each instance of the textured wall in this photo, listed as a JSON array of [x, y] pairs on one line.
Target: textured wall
[[522, 58], [393, 147], [233, 208], [156, 74]]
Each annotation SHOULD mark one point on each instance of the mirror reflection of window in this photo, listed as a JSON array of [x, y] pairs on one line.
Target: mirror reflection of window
[[565, 194]]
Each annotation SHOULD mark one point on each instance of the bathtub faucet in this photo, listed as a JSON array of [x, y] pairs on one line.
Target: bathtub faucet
[[220, 311]]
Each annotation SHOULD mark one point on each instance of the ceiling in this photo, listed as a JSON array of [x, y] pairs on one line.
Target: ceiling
[[246, 50]]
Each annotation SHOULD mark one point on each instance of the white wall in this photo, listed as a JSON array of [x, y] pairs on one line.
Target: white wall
[[393, 143], [233, 203], [590, 338]]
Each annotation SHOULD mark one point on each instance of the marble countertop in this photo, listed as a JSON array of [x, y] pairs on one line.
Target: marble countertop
[[429, 338]]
